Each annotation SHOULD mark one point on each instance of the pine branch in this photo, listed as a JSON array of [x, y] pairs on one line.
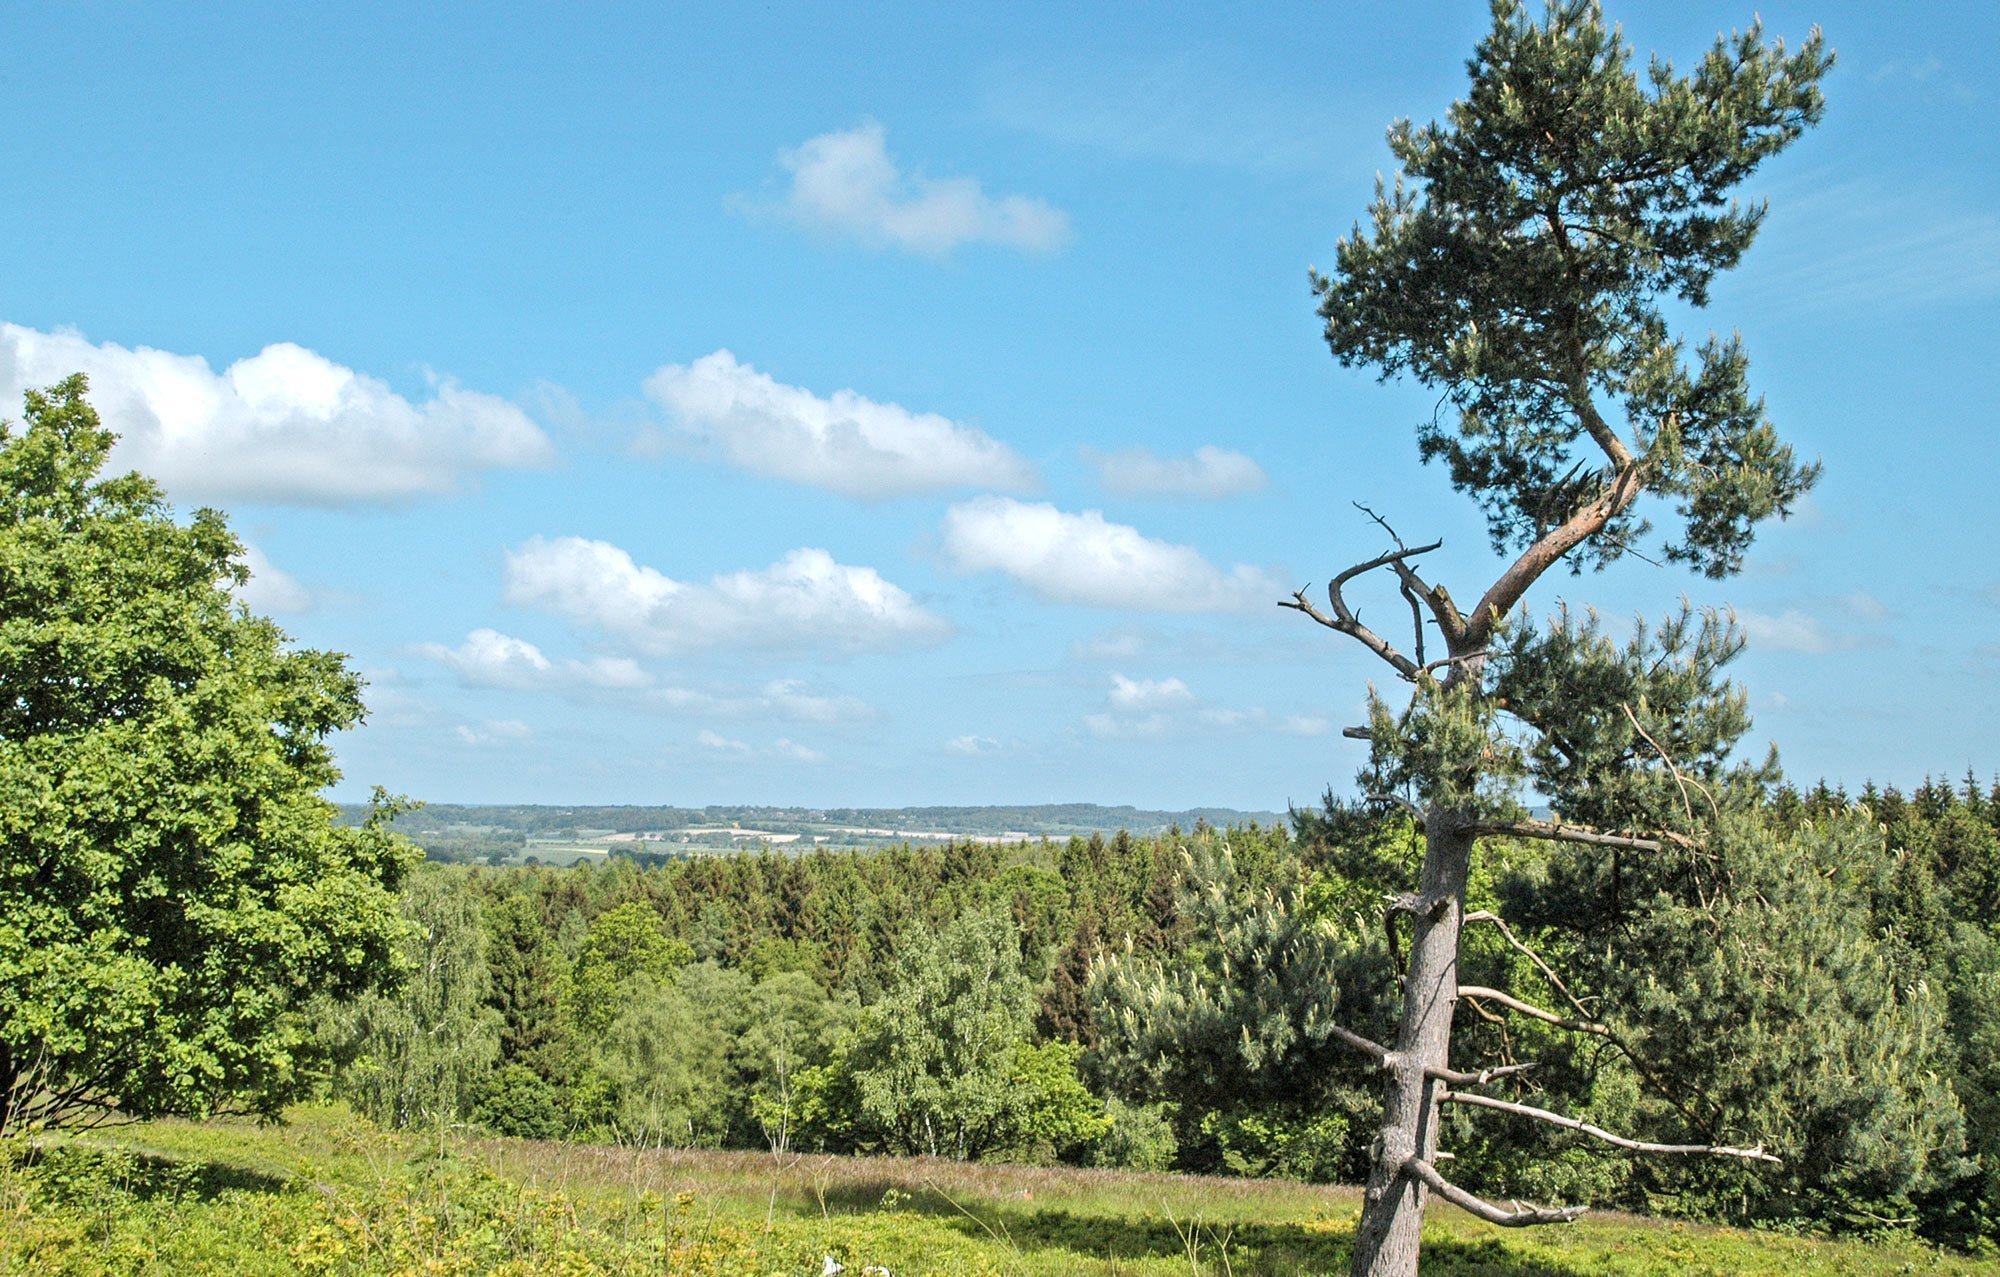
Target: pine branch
[[1513, 1003], [1659, 1085], [1424, 1171], [1554, 831], [1756, 1154], [1548, 973], [1344, 620], [1481, 1078], [1372, 1049]]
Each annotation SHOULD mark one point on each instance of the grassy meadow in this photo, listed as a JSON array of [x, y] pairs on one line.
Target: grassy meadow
[[328, 1192]]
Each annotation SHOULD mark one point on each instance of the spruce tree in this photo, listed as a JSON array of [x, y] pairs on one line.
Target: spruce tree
[[1521, 264]]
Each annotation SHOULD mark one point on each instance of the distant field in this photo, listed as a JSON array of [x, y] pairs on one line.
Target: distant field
[[328, 1193], [510, 834]]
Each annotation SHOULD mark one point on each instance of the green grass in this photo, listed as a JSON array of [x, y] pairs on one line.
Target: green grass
[[329, 1193]]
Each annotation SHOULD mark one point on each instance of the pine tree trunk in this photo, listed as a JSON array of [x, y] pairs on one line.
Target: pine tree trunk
[[1392, 1213]]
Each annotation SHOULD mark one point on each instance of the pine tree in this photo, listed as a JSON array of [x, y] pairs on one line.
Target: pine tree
[[1520, 264]]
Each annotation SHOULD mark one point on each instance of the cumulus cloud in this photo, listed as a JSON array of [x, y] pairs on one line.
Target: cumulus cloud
[[1084, 558], [972, 746], [845, 443], [271, 588], [1148, 693], [720, 743], [285, 426], [805, 600], [489, 658], [1209, 475], [844, 183]]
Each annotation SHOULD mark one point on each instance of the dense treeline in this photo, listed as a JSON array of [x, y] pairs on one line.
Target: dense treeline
[[1823, 978]]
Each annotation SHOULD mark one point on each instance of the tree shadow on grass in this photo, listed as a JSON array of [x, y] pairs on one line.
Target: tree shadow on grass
[[77, 1173], [1249, 1249]]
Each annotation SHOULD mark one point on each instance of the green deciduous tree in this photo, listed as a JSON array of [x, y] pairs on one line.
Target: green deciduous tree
[[620, 943], [943, 1064], [1521, 264], [173, 889], [665, 1055], [416, 1055], [791, 1024]]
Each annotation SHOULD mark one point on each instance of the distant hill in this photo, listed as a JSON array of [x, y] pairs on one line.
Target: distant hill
[[563, 834]]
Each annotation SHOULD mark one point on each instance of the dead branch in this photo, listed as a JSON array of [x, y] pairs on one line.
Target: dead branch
[[1367, 1046], [1513, 1003], [1548, 973], [1380, 522], [1463, 658], [1416, 620], [1481, 1078], [1414, 587], [1475, 993], [1344, 620], [1554, 831], [1399, 802], [1679, 778], [1422, 1170], [1756, 1154]]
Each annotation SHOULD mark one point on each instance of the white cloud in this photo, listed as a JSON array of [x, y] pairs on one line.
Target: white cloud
[[489, 658], [1083, 558], [1209, 475], [780, 748], [845, 443], [791, 698], [805, 600], [1148, 709], [781, 698], [846, 184], [493, 732], [971, 746], [1148, 693], [796, 752], [286, 425], [1789, 631], [271, 588]]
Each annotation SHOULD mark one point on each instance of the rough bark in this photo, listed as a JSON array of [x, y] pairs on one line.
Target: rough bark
[[1392, 1213]]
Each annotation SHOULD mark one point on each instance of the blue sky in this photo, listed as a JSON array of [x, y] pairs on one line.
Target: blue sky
[[692, 404]]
